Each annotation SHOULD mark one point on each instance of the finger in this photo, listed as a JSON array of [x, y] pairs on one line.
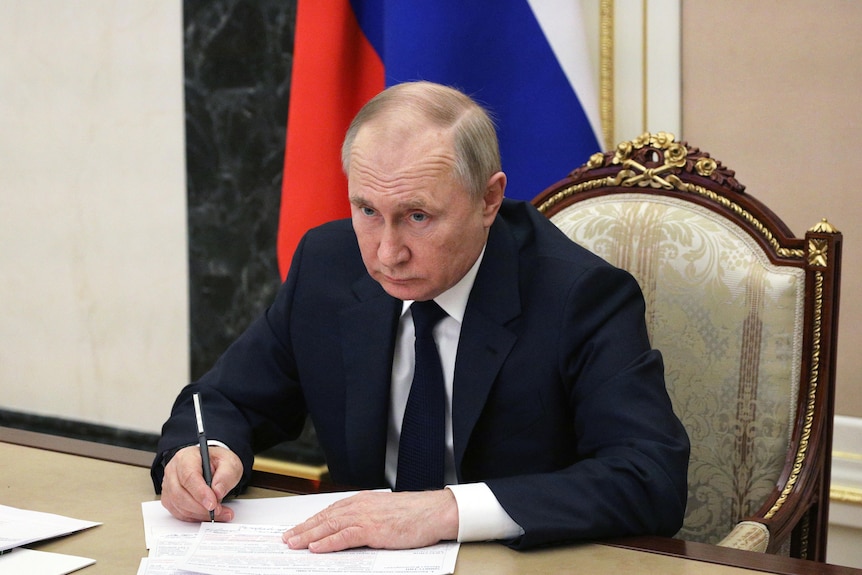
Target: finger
[[181, 504], [299, 536], [178, 501], [185, 492], [345, 524], [190, 476], [175, 498], [379, 520], [322, 537], [227, 471], [190, 510], [348, 538]]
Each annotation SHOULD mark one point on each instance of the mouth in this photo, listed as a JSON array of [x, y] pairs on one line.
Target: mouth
[[395, 281], [403, 288]]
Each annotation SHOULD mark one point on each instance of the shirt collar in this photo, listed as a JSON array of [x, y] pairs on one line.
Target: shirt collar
[[454, 300]]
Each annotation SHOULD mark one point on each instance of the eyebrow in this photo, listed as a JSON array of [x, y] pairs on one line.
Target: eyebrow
[[412, 204]]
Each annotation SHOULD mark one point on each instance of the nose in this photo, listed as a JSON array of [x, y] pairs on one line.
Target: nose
[[391, 252]]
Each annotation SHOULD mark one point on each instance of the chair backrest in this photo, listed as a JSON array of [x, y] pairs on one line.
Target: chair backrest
[[745, 316]]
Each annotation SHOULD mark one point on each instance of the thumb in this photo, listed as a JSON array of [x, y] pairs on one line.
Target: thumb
[[227, 471]]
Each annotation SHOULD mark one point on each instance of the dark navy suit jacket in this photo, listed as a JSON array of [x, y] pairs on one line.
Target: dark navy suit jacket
[[559, 403]]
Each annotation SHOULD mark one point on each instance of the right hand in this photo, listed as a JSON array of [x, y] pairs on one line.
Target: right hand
[[185, 493]]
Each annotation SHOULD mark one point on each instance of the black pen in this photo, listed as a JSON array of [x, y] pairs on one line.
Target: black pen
[[205, 450]]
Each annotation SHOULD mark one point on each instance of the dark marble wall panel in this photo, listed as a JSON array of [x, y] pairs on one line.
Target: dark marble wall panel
[[238, 56]]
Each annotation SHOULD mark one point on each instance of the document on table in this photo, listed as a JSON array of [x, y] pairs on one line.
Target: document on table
[[30, 562], [265, 511], [252, 545], [19, 527], [230, 549]]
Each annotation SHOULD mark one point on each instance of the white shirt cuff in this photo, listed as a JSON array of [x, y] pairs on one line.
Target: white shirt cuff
[[480, 515]]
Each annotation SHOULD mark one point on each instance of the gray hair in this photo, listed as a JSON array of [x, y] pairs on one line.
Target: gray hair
[[477, 153]]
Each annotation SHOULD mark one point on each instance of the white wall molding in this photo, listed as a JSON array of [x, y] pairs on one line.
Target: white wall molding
[[845, 508], [635, 49], [647, 90], [847, 469]]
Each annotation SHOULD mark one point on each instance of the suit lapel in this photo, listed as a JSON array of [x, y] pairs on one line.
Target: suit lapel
[[485, 340], [368, 331]]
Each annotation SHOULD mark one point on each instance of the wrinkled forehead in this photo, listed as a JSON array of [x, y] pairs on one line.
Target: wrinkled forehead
[[400, 142]]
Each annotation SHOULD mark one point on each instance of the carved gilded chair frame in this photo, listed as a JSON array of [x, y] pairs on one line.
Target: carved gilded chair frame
[[794, 517]]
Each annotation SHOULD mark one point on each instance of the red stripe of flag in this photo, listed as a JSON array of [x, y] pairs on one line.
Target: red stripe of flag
[[335, 72]]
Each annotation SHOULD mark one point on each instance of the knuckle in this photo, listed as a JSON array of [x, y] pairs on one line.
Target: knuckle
[[332, 524]]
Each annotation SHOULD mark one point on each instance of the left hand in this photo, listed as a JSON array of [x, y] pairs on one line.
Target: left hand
[[403, 520]]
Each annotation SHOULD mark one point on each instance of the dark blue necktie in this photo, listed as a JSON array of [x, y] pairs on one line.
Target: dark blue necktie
[[423, 444]]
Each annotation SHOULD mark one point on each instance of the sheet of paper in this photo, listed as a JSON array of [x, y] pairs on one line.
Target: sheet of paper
[[165, 554], [19, 527], [273, 510], [173, 546], [251, 544], [30, 562], [151, 566], [241, 549]]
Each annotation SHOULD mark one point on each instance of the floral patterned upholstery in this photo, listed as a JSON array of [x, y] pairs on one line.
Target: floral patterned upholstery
[[745, 314], [729, 324]]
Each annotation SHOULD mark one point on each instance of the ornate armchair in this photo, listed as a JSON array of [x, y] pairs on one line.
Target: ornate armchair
[[746, 317]]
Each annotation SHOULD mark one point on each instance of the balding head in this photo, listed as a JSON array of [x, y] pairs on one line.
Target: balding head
[[405, 108]]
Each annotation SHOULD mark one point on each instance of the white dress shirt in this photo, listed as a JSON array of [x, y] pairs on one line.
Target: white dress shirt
[[480, 515]]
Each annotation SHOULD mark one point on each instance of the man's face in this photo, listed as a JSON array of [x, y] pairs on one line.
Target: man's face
[[419, 229]]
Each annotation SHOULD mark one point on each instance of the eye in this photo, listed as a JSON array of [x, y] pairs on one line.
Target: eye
[[418, 217], [366, 211]]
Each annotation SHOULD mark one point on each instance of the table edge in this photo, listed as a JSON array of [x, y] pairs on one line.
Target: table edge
[[776, 564]]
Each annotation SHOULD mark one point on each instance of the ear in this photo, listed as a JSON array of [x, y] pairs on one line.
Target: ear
[[494, 190]]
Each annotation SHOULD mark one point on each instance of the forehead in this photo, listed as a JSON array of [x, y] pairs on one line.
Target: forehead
[[387, 153]]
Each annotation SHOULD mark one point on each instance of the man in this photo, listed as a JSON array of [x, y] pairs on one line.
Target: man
[[557, 425]]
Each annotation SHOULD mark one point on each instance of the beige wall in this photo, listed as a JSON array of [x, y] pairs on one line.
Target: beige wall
[[93, 258], [773, 89], [92, 212]]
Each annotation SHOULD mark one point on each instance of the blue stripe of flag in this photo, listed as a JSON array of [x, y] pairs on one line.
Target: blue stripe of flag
[[495, 51]]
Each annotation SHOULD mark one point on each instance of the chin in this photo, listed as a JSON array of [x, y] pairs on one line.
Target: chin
[[404, 292]]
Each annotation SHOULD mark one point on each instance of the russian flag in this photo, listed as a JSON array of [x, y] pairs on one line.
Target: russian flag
[[524, 60]]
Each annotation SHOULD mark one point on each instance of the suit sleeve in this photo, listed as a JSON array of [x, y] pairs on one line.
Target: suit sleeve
[[251, 397], [631, 454]]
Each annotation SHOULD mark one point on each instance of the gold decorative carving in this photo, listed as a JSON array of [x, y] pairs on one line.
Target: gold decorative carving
[[655, 160], [824, 227], [661, 150], [705, 167], [813, 379], [818, 255], [595, 160]]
